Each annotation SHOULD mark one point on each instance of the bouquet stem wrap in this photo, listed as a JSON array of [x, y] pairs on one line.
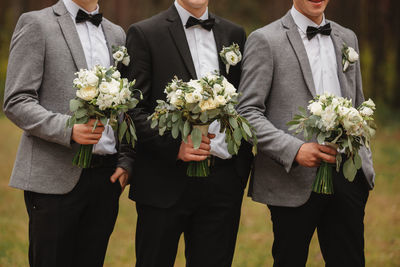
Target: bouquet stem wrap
[[323, 183], [83, 157], [199, 168]]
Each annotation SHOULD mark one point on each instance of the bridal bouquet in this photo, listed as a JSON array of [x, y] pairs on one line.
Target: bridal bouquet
[[192, 106], [336, 123], [102, 94]]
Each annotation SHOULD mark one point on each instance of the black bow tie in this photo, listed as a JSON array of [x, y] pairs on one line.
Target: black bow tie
[[207, 24], [82, 16], [312, 31]]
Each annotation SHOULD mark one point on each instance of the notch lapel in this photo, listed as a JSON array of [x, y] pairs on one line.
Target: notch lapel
[[71, 35], [220, 41], [178, 35], [300, 51], [110, 38], [338, 44]]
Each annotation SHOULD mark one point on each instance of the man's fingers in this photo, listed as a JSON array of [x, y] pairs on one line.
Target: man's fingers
[[327, 158], [192, 157], [118, 172], [205, 139], [211, 136], [193, 151], [328, 150], [205, 146]]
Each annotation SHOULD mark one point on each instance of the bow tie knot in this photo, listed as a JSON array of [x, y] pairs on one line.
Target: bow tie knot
[[82, 16], [313, 31], [207, 24]]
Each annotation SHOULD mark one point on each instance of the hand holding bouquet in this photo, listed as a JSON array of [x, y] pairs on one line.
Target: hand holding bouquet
[[102, 95], [335, 122], [192, 106]]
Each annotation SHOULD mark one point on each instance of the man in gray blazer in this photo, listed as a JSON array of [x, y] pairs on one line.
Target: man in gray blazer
[[285, 65], [71, 211]]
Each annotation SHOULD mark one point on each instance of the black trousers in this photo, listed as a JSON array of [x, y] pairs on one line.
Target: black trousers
[[73, 230], [338, 218], [207, 214]]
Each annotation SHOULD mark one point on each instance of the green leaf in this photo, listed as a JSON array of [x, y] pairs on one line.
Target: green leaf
[[83, 120], [162, 130], [293, 127], [231, 145], [175, 130], [186, 130], [204, 117], [133, 132], [196, 109], [122, 130], [357, 161], [246, 128], [233, 122], [128, 137], [321, 138], [175, 116], [74, 105], [104, 120], [81, 112], [162, 121], [196, 138], [349, 170], [237, 135], [154, 124]]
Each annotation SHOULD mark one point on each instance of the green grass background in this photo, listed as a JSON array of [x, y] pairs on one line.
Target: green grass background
[[382, 222]]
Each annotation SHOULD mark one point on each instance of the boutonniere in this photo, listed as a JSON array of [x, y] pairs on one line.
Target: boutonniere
[[231, 56], [349, 56], [120, 54]]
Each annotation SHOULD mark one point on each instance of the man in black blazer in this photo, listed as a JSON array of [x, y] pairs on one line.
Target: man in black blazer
[[169, 203]]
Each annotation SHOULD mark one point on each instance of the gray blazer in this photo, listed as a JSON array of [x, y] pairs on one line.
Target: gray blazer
[[276, 81], [45, 53]]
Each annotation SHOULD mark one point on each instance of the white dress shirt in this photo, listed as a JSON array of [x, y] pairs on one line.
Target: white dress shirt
[[96, 53], [321, 55], [204, 53]]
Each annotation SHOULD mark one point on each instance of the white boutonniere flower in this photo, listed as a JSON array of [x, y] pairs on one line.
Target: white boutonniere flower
[[120, 54], [349, 56], [231, 56]]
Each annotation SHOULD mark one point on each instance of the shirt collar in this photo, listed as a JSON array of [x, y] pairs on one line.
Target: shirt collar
[[184, 14], [73, 8], [303, 22]]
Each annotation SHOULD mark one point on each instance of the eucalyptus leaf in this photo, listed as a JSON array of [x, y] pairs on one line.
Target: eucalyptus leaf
[[74, 105], [233, 122], [162, 130], [175, 130], [349, 170], [237, 135], [133, 132], [154, 124], [246, 128], [357, 161], [196, 138], [186, 130], [81, 112], [204, 117], [122, 130]]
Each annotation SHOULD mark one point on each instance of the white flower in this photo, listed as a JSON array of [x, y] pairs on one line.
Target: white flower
[[220, 100], [196, 85], [366, 111], [315, 108], [217, 88], [174, 86], [104, 88], [87, 93], [370, 103], [116, 75], [352, 55], [346, 65], [126, 61], [189, 97], [343, 111], [92, 79], [232, 58], [351, 119], [118, 56], [328, 118], [104, 101]]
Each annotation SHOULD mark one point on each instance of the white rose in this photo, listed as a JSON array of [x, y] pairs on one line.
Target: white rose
[[190, 98], [220, 100], [197, 96], [232, 58], [113, 89], [118, 56], [104, 88], [196, 85], [352, 55], [104, 101], [87, 93], [366, 111], [92, 79], [217, 88], [343, 111], [351, 119], [126, 61], [315, 108], [328, 118], [116, 75], [370, 103]]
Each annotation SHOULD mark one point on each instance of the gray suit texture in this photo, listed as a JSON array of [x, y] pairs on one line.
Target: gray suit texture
[[45, 53], [276, 81]]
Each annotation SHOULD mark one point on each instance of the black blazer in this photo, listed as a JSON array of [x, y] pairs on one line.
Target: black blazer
[[159, 50]]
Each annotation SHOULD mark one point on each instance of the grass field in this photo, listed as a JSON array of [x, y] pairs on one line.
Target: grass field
[[255, 237]]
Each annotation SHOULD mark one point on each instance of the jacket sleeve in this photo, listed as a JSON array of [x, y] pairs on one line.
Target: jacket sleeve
[[163, 147], [24, 78], [255, 86]]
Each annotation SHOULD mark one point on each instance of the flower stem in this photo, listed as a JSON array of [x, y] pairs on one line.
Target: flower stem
[[323, 183], [83, 157]]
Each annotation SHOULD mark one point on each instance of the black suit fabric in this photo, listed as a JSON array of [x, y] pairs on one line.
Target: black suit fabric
[[168, 202]]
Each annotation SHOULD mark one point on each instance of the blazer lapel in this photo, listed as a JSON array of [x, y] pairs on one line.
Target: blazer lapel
[[220, 41], [178, 35], [110, 38], [338, 44], [300, 51], [71, 35]]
